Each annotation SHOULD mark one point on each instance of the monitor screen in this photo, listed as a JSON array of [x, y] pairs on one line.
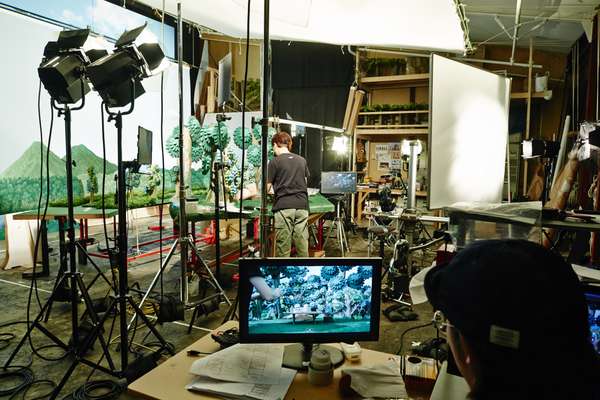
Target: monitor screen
[[309, 300], [338, 182], [592, 296]]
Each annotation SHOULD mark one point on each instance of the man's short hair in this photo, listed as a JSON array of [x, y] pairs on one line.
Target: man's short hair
[[282, 139]]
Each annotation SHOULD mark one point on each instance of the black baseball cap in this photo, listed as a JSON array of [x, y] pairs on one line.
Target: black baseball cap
[[511, 293]]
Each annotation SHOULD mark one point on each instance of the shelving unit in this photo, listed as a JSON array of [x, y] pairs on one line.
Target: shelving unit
[[408, 80], [535, 95], [404, 99]]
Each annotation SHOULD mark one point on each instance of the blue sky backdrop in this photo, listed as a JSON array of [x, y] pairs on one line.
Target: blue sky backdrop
[[102, 17]]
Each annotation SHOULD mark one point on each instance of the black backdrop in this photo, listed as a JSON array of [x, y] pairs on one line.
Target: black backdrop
[[310, 82]]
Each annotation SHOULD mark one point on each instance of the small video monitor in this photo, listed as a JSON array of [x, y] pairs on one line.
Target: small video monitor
[[144, 156], [592, 296], [338, 182], [309, 301], [224, 91]]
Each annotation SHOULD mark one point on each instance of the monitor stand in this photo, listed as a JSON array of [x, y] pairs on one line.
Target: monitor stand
[[297, 356]]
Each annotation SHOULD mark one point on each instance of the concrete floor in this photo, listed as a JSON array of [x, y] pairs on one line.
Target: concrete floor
[[14, 295]]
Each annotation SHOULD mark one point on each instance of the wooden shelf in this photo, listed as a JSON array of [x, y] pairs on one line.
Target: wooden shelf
[[535, 95], [418, 127], [396, 80], [392, 112], [387, 133]]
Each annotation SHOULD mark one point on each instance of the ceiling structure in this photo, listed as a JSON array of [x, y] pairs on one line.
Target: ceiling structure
[[554, 25]]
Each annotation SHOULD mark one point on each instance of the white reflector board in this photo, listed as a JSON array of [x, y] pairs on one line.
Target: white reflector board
[[417, 24], [468, 133]]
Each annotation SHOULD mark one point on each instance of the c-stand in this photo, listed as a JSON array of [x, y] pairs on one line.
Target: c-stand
[[78, 345], [123, 298]]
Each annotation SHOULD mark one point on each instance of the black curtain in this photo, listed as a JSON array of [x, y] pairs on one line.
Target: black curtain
[[310, 83]]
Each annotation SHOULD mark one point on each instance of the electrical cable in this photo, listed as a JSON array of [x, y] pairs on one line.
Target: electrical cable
[[109, 390], [162, 157], [38, 235], [244, 129], [408, 330]]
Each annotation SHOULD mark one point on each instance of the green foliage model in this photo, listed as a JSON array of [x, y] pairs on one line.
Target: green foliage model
[[17, 193], [207, 143], [92, 183], [154, 181]]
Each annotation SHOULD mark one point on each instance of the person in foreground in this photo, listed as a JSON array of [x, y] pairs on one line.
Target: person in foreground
[[517, 322], [287, 178]]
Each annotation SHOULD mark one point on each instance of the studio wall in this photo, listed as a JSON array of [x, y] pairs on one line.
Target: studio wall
[[19, 130]]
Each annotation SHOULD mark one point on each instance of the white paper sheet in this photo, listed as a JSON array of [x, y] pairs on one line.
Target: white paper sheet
[[244, 363], [253, 391]]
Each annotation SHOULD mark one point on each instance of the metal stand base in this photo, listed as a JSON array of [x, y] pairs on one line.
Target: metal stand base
[[212, 280], [338, 224], [79, 345]]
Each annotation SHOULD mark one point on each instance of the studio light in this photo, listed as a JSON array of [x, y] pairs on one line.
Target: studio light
[[405, 147], [137, 55], [340, 144], [539, 148], [63, 66]]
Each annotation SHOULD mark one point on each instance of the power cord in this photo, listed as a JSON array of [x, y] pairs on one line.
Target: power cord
[[38, 234], [96, 390]]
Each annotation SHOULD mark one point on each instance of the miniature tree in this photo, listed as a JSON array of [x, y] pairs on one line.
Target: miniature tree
[[92, 183], [154, 180]]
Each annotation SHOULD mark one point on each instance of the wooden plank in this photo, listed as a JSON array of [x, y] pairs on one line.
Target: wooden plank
[[395, 79], [353, 120], [392, 126], [349, 106], [535, 95], [393, 112], [366, 132]]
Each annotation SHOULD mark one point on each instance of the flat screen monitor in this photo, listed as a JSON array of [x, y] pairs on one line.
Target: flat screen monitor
[[338, 182], [224, 80], [592, 296], [309, 301]]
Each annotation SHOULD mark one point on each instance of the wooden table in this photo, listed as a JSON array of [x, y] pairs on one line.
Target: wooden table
[[60, 214], [363, 193], [169, 379]]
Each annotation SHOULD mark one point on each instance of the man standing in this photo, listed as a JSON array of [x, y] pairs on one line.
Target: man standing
[[287, 177]]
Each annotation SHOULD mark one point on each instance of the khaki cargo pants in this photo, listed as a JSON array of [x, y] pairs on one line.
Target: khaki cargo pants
[[291, 224]]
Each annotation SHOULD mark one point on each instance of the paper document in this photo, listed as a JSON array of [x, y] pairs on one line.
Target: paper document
[[250, 391], [245, 363]]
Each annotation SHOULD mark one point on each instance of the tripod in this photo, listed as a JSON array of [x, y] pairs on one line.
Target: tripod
[[79, 344], [338, 224], [187, 241]]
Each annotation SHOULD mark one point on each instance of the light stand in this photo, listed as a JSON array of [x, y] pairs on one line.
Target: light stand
[[338, 223], [218, 167], [184, 241], [123, 298], [264, 222], [79, 343]]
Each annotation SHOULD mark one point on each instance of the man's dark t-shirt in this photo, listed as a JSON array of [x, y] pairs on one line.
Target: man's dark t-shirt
[[288, 173]]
